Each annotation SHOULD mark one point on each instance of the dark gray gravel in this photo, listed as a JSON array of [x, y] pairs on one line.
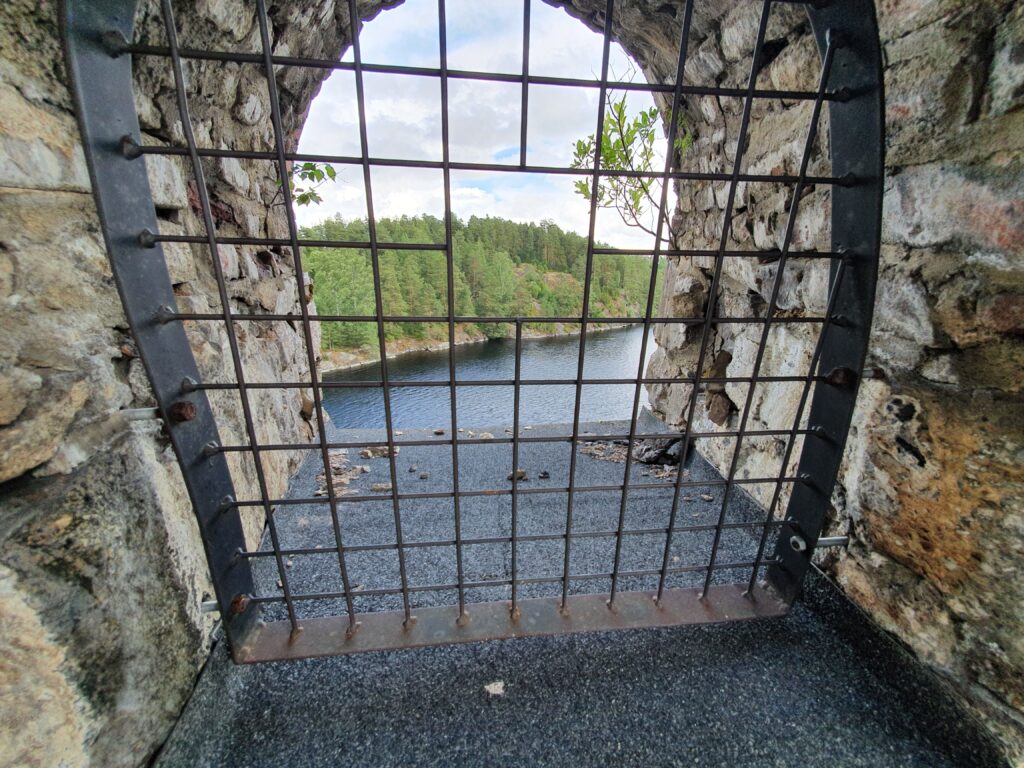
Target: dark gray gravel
[[821, 687]]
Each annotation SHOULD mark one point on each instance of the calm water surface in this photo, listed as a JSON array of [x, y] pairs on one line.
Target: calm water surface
[[609, 354]]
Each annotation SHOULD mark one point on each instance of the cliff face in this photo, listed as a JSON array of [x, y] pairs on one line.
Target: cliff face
[[101, 567], [932, 483]]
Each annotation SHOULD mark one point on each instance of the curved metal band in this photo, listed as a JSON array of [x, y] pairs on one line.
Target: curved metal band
[[856, 132], [93, 34]]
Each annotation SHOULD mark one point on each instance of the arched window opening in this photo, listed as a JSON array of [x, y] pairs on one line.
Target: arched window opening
[[450, 192]]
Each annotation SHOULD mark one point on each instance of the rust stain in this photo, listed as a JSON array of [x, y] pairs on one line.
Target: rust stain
[[935, 529]]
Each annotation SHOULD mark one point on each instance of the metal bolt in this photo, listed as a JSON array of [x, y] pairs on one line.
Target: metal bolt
[[797, 543], [115, 42], [873, 373], [210, 449], [130, 148], [188, 384], [841, 377], [239, 604], [181, 411], [147, 239], [165, 314], [833, 541]]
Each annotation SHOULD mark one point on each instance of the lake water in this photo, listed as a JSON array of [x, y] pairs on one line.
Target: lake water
[[609, 354]]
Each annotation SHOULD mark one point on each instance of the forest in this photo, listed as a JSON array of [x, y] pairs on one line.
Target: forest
[[501, 268]]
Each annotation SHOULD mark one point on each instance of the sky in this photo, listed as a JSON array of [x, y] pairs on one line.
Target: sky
[[404, 117]]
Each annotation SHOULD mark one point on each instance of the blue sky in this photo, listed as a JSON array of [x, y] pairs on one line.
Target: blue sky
[[404, 116]]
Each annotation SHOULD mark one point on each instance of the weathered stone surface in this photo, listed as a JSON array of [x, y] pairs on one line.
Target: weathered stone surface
[[931, 481]]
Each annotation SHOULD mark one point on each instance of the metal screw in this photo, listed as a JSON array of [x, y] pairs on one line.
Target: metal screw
[[797, 543], [239, 604], [147, 239], [181, 411]]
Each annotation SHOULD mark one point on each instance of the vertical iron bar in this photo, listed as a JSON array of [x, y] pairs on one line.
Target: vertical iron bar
[[712, 301], [791, 440], [655, 258], [515, 466], [524, 104], [225, 300], [812, 132], [371, 228], [446, 171], [300, 283], [595, 179]]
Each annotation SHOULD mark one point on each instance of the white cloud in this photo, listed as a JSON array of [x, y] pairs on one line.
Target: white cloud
[[404, 116]]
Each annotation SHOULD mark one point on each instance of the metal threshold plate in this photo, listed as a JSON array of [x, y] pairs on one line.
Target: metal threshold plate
[[492, 621]]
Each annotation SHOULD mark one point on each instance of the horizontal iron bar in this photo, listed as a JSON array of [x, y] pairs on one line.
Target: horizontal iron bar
[[443, 440], [467, 74], [271, 242], [553, 170], [378, 384], [520, 490], [384, 547], [469, 319], [767, 255]]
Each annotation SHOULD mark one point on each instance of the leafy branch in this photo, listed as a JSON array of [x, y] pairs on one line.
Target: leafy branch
[[627, 144], [304, 180]]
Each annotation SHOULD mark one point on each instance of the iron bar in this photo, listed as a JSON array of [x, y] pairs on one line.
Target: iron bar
[[525, 100], [413, 383], [805, 160], [371, 222], [455, 165], [153, 238], [442, 26], [496, 540], [517, 383], [712, 300], [139, 49], [670, 155], [492, 583], [587, 276], [575, 320], [584, 438], [492, 492], [211, 242], [300, 284]]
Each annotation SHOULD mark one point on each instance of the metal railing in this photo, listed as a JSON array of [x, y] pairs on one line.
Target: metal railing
[[100, 52]]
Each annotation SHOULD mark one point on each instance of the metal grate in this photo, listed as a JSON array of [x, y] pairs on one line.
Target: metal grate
[[100, 53]]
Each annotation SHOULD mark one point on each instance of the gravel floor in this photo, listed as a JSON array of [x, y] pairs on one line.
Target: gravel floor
[[819, 687]]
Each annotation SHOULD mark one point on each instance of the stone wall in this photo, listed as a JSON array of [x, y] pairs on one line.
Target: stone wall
[[932, 486], [101, 568]]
